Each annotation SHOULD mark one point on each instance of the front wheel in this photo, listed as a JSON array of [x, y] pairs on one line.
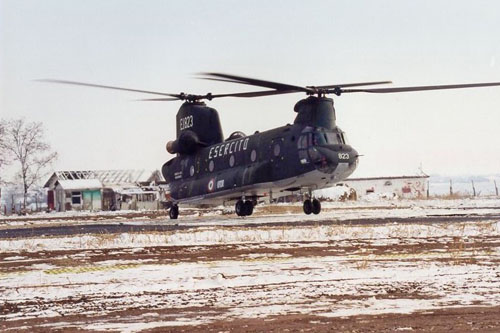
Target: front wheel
[[316, 206], [307, 207], [240, 208]]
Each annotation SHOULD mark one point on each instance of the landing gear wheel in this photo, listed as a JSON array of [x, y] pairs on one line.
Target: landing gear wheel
[[240, 208], [248, 208], [308, 206], [174, 212], [316, 206]]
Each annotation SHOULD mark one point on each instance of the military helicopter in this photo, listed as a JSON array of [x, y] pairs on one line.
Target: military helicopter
[[310, 154]]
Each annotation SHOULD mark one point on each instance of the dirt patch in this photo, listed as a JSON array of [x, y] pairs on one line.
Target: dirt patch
[[481, 319]]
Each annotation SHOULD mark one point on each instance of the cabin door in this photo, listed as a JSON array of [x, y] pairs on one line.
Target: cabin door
[[277, 158]]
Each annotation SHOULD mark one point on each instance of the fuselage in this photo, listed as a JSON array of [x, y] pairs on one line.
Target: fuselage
[[272, 163]]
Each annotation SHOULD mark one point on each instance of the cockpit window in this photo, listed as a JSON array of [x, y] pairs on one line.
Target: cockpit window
[[319, 138], [332, 138]]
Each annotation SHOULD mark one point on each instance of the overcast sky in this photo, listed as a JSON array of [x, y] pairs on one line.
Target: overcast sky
[[160, 45]]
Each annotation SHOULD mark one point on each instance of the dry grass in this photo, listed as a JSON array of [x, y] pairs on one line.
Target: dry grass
[[361, 264], [454, 196], [103, 239], [278, 209]]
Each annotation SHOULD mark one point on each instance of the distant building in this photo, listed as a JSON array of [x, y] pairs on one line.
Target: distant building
[[104, 190], [401, 186]]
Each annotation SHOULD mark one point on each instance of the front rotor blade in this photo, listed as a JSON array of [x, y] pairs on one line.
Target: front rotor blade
[[256, 93], [254, 82], [107, 87], [343, 85], [421, 88]]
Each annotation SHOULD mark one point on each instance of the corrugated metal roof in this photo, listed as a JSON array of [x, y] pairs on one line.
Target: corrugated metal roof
[[80, 184], [108, 178]]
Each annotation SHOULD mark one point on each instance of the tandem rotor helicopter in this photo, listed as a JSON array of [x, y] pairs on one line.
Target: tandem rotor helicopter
[[310, 154]]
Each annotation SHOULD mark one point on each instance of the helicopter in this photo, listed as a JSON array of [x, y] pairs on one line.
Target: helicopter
[[310, 154]]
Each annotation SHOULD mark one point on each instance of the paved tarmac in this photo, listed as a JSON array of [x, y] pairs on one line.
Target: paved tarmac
[[133, 226]]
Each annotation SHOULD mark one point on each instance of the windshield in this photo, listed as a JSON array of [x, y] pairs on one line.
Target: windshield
[[321, 138], [318, 138]]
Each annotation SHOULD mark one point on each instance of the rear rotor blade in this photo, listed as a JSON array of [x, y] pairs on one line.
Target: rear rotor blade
[[210, 96], [178, 96], [421, 88], [158, 99]]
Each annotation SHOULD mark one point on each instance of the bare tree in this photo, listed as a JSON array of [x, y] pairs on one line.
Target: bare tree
[[3, 153], [25, 142]]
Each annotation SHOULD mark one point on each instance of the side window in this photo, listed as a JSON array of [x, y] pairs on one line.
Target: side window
[[344, 141], [76, 198], [302, 142], [339, 138]]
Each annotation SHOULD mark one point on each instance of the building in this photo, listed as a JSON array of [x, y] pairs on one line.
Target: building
[[400, 186], [104, 190], [382, 187]]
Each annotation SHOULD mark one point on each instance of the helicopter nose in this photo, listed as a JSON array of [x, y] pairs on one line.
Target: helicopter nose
[[331, 156], [338, 153]]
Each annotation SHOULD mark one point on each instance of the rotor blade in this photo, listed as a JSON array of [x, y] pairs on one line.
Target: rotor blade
[[352, 84], [254, 82], [107, 87], [158, 99], [421, 88], [210, 96], [256, 93]]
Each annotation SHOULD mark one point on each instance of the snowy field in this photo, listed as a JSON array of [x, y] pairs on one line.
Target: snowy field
[[260, 273]]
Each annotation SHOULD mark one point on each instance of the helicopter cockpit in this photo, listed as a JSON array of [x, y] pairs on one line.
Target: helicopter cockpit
[[324, 148]]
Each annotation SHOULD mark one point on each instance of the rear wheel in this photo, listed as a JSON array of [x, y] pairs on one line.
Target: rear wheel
[[307, 206], [248, 208], [174, 212]]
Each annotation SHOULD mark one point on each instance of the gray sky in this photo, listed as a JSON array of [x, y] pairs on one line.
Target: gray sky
[[159, 45]]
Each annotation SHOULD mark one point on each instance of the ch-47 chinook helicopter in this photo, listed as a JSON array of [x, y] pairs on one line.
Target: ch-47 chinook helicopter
[[310, 154]]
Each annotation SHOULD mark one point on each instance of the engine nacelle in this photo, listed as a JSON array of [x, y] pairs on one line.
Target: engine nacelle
[[187, 143]]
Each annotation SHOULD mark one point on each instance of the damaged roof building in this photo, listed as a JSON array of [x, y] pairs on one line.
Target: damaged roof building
[[104, 190]]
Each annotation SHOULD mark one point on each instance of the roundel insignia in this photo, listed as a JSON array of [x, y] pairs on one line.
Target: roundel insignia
[[211, 185]]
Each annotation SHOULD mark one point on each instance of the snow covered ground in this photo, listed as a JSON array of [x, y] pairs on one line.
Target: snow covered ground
[[192, 278]]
